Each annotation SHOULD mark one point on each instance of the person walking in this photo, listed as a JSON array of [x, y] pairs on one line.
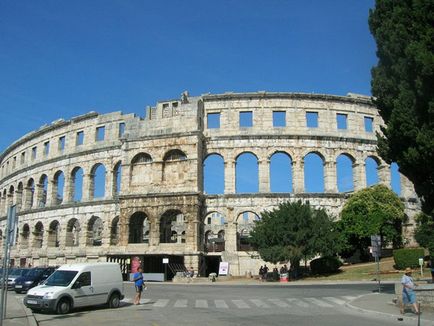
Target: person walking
[[431, 266], [138, 283], [408, 295]]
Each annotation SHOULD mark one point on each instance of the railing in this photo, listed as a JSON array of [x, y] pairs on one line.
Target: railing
[[215, 247]]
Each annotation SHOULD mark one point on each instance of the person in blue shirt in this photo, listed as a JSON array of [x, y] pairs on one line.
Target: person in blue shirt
[[138, 283], [408, 295]]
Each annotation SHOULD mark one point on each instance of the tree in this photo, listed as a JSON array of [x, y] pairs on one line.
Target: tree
[[292, 232], [402, 86], [424, 233], [372, 211]]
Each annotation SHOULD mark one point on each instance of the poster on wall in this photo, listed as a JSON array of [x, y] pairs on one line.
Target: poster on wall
[[224, 268]]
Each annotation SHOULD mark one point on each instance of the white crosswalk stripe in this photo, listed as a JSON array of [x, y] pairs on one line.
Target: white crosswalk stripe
[[161, 303], [335, 300], [259, 303], [318, 302], [241, 304], [279, 303], [181, 303], [221, 304], [349, 297], [298, 302], [201, 304]]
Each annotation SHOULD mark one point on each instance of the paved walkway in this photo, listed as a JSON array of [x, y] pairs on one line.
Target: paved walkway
[[18, 315]]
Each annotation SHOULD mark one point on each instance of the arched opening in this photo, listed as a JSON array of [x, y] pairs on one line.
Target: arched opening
[[43, 186], [11, 195], [19, 195], [371, 167], [53, 234], [174, 165], [344, 173], [38, 235], [313, 173], [280, 172], [72, 233], [138, 226], [114, 231], [245, 224], [97, 181], [77, 184], [30, 193], [58, 185], [172, 224], [395, 178], [214, 174], [25, 234], [94, 231], [246, 173], [141, 170], [117, 178], [214, 225]]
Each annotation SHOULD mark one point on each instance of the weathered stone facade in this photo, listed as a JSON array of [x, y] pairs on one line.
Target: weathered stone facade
[[154, 201]]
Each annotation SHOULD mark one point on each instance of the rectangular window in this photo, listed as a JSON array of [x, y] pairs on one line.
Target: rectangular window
[[369, 124], [341, 120], [213, 120], [312, 119], [80, 138], [46, 148], [62, 141], [34, 153], [279, 118], [121, 129], [23, 157], [246, 119], [14, 162], [100, 133]]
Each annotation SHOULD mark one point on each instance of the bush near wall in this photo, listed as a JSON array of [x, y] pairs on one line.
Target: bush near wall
[[407, 257], [325, 265]]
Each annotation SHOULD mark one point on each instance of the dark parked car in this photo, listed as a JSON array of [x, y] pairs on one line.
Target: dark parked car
[[15, 273], [34, 277]]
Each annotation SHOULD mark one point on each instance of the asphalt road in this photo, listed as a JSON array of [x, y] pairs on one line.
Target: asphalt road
[[215, 304]]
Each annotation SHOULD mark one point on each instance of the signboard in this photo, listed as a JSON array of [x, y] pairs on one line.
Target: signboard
[[165, 260], [224, 268], [12, 225], [376, 246]]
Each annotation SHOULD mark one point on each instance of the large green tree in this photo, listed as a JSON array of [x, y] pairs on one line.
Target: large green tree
[[372, 211], [294, 231], [402, 86]]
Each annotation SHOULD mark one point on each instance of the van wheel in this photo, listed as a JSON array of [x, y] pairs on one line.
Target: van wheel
[[63, 307], [114, 301]]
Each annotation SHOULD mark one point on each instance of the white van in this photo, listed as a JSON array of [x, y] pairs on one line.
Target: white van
[[78, 285]]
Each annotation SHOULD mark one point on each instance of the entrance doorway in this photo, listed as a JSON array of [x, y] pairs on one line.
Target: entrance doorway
[[212, 264]]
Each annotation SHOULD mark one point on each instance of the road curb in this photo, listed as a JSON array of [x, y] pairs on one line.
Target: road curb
[[381, 313], [31, 320]]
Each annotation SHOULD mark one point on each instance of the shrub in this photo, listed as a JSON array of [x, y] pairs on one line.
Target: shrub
[[407, 257], [325, 265]]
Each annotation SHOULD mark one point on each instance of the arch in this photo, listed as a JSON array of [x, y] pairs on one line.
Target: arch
[[141, 170], [171, 224], [141, 158], [280, 172], [38, 235], [72, 233], [371, 170], [97, 181], [245, 224], [117, 178], [77, 184], [395, 178], [24, 238], [114, 231], [94, 231], [19, 195], [138, 225], [58, 187], [30, 193], [11, 190], [246, 173], [53, 234], [175, 155], [344, 172], [43, 186], [313, 172], [214, 174]]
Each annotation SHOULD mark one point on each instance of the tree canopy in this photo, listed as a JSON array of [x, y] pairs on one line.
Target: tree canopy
[[402, 86], [372, 211], [292, 232]]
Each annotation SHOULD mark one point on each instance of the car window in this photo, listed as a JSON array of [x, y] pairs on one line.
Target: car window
[[61, 278], [84, 279]]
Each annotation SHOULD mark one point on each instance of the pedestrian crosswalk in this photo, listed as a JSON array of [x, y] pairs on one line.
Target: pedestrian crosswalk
[[262, 303]]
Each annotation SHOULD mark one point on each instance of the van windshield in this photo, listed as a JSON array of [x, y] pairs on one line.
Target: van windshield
[[61, 278]]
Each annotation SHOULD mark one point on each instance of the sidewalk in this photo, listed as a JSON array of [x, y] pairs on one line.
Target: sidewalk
[[382, 304], [16, 313]]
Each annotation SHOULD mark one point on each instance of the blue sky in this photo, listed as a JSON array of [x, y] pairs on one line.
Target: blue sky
[[60, 59]]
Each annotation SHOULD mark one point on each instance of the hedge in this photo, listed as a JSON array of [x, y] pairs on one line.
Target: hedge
[[407, 257], [325, 265]]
